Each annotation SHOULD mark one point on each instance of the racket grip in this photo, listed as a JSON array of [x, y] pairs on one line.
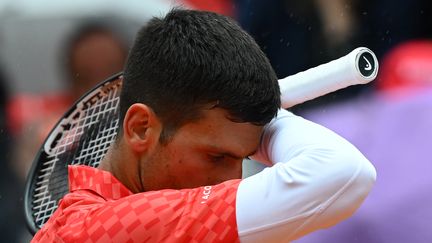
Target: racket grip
[[360, 66]]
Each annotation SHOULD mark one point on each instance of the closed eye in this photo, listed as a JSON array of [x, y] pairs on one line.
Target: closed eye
[[216, 157]]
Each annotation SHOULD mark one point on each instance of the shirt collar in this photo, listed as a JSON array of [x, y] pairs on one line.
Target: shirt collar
[[102, 182]]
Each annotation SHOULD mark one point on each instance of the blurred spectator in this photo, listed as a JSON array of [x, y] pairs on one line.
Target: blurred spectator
[[286, 31], [298, 35], [12, 223], [392, 128], [92, 53], [407, 69], [384, 24]]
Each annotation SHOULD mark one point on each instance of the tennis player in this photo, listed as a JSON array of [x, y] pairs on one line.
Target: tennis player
[[199, 96]]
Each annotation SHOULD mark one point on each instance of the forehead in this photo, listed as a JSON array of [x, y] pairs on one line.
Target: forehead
[[215, 130]]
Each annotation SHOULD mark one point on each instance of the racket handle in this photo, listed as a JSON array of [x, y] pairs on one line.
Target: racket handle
[[360, 66]]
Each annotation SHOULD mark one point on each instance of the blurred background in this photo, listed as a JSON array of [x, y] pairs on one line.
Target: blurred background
[[53, 51]]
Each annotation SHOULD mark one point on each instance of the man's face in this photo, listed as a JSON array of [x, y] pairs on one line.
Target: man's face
[[204, 152], [95, 58]]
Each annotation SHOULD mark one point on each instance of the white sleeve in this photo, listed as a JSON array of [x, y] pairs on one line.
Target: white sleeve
[[317, 179]]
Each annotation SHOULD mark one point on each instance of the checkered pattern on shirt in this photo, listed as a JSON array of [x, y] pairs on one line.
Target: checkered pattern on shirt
[[101, 209]]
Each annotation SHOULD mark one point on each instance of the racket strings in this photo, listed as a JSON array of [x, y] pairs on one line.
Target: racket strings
[[99, 130], [84, 141]]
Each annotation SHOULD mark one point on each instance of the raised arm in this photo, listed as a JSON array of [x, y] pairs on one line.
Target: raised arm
[[317, 179]]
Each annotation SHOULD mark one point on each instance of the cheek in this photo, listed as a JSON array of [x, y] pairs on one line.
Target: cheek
[[188, 167], [190, 170], [181, 166], [198, 170]]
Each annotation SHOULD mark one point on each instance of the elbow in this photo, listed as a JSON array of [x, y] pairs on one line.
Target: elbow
[[365, 179], [345, 167], [356, 177], [367, 175], [348, 184], [361, 174]]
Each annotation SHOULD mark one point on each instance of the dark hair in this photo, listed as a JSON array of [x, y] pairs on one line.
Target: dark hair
[[190, 59]]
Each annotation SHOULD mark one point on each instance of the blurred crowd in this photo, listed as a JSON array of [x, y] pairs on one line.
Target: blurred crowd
[[50, 58]]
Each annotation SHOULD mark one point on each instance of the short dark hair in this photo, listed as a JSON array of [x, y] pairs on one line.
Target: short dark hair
[[190, 59]]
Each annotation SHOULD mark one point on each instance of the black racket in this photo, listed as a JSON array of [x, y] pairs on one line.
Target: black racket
[[81, 137]]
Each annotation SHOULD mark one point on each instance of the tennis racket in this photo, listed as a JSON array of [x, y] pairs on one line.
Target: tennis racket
[[85, 132]]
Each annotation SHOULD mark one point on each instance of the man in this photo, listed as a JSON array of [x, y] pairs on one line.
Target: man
[[199, 96], [93, 51]]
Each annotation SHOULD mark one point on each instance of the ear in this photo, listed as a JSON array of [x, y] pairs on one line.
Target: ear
[[141, 127]]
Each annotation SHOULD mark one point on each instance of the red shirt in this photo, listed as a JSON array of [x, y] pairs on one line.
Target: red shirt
[[99, 208]]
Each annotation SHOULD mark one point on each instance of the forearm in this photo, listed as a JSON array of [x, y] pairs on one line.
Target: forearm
[[317, 179]]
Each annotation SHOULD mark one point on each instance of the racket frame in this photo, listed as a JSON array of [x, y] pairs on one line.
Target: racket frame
[[30, 186]]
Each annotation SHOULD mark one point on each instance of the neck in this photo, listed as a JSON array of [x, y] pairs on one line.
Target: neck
[[126, 173]]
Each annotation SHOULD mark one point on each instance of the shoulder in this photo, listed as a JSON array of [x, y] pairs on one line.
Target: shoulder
[[203, 214]]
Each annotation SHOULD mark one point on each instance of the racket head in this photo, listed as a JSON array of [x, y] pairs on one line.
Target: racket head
[[81, 137]]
